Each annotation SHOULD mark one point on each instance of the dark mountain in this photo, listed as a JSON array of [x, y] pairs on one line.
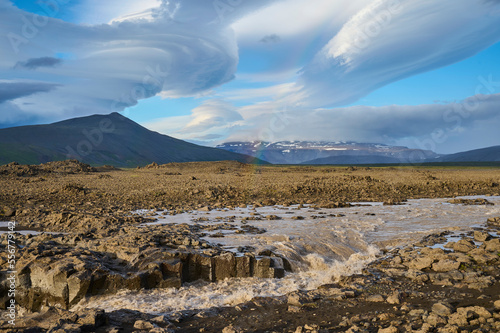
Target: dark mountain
[[307, 152], [490, 154], [102, 139]]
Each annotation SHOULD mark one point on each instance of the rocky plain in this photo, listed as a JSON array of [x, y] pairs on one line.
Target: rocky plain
[[88, 242]]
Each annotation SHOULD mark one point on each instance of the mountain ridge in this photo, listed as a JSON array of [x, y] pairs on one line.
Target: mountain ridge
[[103, 139], [487, 154], [324, 152]]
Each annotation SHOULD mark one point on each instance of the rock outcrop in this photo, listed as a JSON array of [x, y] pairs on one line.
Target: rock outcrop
[[61, 270]]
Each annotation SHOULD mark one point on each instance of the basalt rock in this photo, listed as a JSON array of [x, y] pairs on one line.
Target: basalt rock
[[61, 270]]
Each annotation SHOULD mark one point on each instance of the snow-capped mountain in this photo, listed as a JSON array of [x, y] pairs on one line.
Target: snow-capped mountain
[[312, 152]]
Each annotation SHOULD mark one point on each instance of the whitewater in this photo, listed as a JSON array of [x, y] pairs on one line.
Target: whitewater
[[321, 245]]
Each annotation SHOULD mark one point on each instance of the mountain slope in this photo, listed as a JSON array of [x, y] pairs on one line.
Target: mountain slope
[[490, 154], [308, 152], [361, 159], [102, 139]]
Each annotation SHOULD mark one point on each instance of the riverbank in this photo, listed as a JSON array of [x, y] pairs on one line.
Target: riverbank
[[96, 246], [447, 282]]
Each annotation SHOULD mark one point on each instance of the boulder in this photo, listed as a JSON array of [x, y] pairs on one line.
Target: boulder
[[390, 329], [244, 266], [7, 211], [493, 245], [375, 298], [143, 325], [299, 298], [494, 221], [225, 266], [420, 263], [394, 298], [442, 309], [445, 265], [481, 236], [464, 245]]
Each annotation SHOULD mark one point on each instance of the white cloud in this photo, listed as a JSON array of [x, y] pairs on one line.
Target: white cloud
[[345, 49], [212, 113], [256, 94], [114, 66], [295, 17], [435, 126], [389, 40], [185, 48], [103, 12], [211, 120]]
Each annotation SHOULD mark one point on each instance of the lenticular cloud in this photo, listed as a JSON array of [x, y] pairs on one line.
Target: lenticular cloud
[[181, 48], [389, 40]]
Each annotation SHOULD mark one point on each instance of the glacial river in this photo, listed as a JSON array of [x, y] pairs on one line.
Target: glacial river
[[321, 244]]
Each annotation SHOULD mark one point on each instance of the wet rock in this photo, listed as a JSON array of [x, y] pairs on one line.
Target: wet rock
[[481, 236], [196, 266], [470, 202], [269, 267], [78, 284], [225, 266], [244, 266], [494, 221], [464, 245]]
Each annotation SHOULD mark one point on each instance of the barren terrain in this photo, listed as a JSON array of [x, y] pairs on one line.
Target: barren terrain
[[98, 248]]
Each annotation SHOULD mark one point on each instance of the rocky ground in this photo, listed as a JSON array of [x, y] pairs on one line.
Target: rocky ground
[[99, 248]]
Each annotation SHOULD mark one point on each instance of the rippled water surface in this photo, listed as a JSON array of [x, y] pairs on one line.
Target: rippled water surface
[[321, 244]]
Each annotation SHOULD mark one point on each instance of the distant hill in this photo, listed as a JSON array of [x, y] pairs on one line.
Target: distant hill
[[361, 159], [102, 139], [490, 154], [310, 152]]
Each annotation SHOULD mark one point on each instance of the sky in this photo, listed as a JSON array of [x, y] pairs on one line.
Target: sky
[[422, 74]]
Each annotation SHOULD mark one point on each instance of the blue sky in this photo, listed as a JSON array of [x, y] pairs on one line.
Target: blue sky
[[422, 74]]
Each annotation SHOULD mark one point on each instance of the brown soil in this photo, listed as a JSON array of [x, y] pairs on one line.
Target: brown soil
[[95, 204], [33, 192]]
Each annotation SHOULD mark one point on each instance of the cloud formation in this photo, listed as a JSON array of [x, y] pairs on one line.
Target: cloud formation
[[178, 49], [11, 90], [35, 63], [390, 40], [441, 127], [430, 126], [300, 55], [273, 38]]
